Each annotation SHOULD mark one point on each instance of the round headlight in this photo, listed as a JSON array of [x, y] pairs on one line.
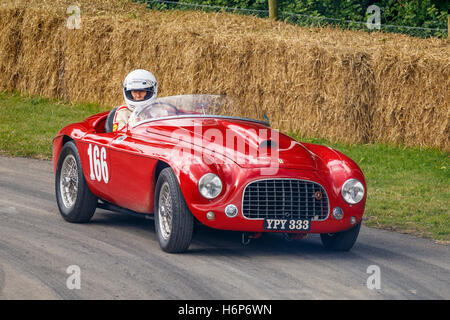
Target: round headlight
[[352, 191], [210, 185]]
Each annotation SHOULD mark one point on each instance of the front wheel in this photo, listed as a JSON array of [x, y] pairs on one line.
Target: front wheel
[[75, 200], [341, 241], [174, 223]]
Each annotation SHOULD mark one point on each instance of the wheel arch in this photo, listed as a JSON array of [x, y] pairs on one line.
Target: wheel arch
[[158, 168], [66, 139], [58, 144]]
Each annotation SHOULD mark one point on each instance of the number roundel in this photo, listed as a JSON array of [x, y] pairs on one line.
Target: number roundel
[[98, 167]]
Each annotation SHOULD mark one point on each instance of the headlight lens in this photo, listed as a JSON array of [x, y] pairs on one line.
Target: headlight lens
[[352, 191], [210, 185]]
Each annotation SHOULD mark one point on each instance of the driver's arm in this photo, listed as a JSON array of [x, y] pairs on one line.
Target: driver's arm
[[121, 118]]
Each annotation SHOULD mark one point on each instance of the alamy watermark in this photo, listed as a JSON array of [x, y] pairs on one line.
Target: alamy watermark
[[374, 20], [258, 148], [74, 280], [74, 20], [374, 280]]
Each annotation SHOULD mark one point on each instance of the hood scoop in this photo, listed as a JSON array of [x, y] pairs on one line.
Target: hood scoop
[[268, 144]]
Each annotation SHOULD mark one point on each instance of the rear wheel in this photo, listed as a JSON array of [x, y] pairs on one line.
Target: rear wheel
[[75, 200], [341, 241], [174, 222]]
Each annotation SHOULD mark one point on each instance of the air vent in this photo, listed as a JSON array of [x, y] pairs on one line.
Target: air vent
[[268, 144]]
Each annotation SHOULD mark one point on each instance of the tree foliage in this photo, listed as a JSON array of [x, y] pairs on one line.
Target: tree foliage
[[413, 13]]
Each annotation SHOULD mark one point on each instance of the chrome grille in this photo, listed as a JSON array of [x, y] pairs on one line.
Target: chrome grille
[[284, 198]]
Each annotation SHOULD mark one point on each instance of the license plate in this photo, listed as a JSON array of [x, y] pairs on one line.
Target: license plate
[[287, 224]]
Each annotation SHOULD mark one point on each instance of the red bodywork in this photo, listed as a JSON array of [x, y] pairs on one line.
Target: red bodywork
[[134, 155]]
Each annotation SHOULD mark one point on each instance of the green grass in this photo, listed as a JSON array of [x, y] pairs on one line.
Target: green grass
[[29, 124], [408, 188]]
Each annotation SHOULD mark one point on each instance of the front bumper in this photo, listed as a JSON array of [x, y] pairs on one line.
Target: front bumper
[[235, 194]]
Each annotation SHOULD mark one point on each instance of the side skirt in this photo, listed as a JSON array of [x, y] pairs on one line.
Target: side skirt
[[102, 204]]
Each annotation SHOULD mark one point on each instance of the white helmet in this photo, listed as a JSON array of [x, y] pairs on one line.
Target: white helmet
[[139, 80]]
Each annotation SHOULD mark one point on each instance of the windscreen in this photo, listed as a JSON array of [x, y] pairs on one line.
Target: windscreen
[[195, 105]]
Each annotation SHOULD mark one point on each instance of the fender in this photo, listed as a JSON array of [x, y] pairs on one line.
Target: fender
[[338, 168]]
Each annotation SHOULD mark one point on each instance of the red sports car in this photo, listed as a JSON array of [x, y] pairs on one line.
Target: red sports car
[[196, 158]]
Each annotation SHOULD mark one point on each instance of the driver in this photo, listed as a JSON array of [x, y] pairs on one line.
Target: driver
[[139, 88]]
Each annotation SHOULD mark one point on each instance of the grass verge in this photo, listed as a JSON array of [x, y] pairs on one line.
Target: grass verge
[[28, 124], [408, 188]]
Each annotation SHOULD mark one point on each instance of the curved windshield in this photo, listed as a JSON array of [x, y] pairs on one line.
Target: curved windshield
[[194, 105]]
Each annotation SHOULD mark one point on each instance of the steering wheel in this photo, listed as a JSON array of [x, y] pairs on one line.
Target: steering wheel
[[165, 104]]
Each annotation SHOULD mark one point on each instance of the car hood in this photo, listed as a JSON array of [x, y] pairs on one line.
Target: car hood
[[251, 144]]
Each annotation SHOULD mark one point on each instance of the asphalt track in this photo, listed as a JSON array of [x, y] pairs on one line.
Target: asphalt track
[[119, 257]]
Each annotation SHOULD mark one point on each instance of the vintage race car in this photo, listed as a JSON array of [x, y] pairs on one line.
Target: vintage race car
[[192, 159]]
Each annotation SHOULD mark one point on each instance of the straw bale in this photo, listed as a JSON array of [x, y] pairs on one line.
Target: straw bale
[[341, 85]]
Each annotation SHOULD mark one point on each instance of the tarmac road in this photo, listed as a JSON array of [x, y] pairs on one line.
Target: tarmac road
[[119, 257]]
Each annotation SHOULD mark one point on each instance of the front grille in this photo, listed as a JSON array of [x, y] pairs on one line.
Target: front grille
[[285, 198]]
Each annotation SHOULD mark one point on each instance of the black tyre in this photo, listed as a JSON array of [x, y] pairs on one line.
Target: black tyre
[[75, 201], [174, 223], [341, 241]]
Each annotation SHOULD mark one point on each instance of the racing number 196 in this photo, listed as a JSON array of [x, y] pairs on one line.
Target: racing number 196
[[97, 163]]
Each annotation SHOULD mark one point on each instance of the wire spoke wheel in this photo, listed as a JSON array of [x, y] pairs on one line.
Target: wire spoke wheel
[[165, 211], [174, 223], [76, 202], [68, 181]]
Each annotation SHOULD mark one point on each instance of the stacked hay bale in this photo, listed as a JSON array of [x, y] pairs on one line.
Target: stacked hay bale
[[341, 85]]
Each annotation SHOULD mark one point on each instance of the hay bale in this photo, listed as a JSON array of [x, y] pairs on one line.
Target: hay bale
[[340, 85], [10, 47], [412, 106]]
